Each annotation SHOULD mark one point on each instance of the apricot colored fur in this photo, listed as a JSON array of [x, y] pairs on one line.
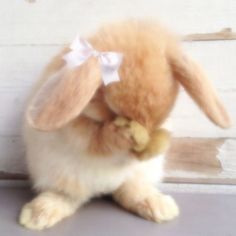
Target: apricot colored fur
[[85, 140]]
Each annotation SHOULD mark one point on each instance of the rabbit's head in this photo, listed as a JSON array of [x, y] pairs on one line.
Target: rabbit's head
[[153, 67]]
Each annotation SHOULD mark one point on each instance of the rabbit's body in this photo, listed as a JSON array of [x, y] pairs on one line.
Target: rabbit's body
[[77, 148], [66, 175], [59, 161]]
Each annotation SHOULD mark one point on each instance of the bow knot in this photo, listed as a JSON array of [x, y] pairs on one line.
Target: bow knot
[[81, 51]]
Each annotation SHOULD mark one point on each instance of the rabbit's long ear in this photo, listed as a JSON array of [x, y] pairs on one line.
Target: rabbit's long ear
[[192, 78], [63, 96]]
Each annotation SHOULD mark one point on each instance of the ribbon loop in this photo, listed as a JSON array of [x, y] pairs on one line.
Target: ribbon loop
[[81, 51]]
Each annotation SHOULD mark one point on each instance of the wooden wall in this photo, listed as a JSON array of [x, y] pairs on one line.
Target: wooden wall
[[31, 32]]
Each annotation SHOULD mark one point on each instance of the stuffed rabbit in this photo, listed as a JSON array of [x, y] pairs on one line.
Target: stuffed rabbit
[[87, 139]]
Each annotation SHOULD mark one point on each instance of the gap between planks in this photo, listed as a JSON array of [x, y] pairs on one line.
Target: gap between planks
[[165, 187]]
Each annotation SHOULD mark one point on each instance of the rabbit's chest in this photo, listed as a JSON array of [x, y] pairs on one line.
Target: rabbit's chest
[[94, 175]]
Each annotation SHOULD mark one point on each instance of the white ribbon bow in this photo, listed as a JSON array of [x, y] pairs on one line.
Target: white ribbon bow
[[81, 51]]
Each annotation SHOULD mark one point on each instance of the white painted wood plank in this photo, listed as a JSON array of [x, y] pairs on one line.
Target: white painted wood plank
[[189, 121], [199, 160], [51, 23], [57, 21], [12, 154], [21, 66], [218, 58], [11, 111]]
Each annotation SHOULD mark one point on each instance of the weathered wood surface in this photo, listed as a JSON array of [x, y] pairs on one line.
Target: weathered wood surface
[[57, 21], [198, 160], [31, 32]]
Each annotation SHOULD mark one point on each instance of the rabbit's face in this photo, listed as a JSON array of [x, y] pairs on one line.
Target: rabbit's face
[[147, 100]]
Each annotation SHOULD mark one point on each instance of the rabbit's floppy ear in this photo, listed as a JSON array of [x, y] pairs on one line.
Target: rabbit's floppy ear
[[192, 78], [63, 96]]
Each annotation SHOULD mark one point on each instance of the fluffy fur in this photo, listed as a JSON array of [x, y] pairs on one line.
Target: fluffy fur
[[85, 140]]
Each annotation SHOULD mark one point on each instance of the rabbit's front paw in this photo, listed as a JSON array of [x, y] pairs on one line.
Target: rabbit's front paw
[[36, 218], [135, 131], [158, 208], [45, 211]]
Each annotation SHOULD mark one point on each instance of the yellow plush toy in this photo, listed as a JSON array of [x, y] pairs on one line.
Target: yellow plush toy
[[147, 146]]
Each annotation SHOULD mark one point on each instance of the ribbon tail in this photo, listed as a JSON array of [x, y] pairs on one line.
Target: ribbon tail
[[110, 77], [110, 63]]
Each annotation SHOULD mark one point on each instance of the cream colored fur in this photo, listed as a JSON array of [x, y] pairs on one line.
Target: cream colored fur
[[82, 151], [60, 166]]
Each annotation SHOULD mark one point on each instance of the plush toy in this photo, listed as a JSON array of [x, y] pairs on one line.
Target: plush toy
[[96, 122]]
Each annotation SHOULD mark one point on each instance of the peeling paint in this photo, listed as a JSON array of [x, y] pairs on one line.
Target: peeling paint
[[227, 155]]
